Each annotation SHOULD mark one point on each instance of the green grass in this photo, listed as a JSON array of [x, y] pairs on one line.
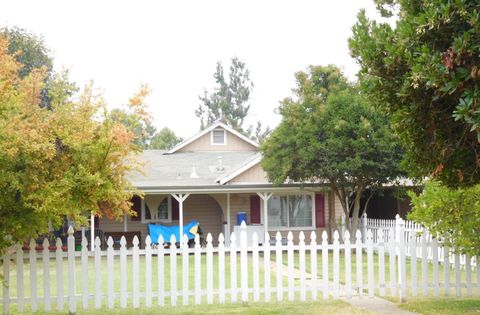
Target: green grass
[[442, 306], [309, 307]]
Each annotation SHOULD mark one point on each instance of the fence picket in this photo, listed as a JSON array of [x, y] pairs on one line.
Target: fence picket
[[278, 258], [358, 252], [210, 268], [136, 272], [98, 274], [173, 270], [6, 284], [468, 275], [436, 286], [402, 266], [110, 268], [413, 263], [186, 270], [381, 262], [148, 271], [313, 265], [423, 243], [20, 286], [325, 264], [336, 265], [301, 254], [161, 271], [255, 263], [393, 269], [33, 276], [446, 269], [477, 265], [72, 301], [458, 290], [267, 267], [198, 273], [348, 265], [370, 263], [123, 272], [46, 275], [84, 263], [291, 268], [243, 262], [221, 268]]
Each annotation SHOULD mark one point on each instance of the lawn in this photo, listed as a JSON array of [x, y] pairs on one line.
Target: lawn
[[443, 306]]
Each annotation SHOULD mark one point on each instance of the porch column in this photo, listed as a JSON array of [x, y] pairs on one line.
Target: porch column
[[265, 196], [180, 198], [92, 231], [228, 231]]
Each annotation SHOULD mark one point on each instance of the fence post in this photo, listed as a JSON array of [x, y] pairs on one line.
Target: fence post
[[243, 262], [20, 288], [72, 303], [402, 274], [6, 284]]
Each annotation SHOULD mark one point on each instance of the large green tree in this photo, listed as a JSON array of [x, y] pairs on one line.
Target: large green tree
[[165, 139], [331, 134], [229, 102], [424, 69], [59, 162]]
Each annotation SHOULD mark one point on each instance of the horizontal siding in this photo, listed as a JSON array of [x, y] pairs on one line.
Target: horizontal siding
[[253, 175], [203, 143]]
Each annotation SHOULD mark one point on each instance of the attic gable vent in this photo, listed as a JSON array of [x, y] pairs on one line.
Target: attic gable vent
[[219, 136]]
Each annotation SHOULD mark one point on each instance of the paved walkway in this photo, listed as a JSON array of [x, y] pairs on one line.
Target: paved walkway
[[375, 305]]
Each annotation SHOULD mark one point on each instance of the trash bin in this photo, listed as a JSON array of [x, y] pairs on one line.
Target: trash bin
[[241, 216]]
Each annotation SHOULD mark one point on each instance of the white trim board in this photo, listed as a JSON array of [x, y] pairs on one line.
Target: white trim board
[[205, 131]]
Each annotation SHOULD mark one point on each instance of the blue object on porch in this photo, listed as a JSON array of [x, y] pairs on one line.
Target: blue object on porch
[[241, 216], [167, 231]]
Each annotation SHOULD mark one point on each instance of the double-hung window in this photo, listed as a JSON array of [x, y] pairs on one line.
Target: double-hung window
[[219, 136], [291, 211]]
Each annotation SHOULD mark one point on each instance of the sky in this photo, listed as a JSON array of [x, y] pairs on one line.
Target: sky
[[173, 46]]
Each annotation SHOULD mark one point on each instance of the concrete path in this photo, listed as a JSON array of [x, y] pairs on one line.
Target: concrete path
[[375, 305]]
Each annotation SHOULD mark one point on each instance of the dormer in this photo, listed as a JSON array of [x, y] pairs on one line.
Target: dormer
[[218, 137]]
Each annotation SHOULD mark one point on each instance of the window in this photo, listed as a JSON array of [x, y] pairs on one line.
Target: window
[[219, 137], [163, 211], [290, 211]]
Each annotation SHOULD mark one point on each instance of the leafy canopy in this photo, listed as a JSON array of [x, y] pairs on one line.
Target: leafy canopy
[[64, 161], [331, 133], [425, 71], [165, 139]]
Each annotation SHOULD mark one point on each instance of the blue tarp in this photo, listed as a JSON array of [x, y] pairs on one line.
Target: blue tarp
[[167, 231]]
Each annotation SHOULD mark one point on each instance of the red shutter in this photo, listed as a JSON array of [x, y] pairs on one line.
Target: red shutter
[[137, 207], [175, 215], [255, 209], [319, 210]]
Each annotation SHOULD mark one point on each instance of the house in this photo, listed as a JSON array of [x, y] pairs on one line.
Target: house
[[213, 177]]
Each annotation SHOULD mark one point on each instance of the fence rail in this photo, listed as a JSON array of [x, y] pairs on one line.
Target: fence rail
[[306, 269]]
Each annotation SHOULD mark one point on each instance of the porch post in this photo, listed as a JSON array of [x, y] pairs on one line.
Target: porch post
[[228, 231], [265, 197], [92, 231], [180, 198]]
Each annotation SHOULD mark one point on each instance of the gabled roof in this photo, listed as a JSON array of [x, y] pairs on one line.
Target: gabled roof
[[242, 168], [207, 130]]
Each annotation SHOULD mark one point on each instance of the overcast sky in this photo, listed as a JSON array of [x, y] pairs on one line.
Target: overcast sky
[[174, 45]]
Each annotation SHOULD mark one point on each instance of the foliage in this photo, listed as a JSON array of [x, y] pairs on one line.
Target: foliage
[[30, 51], [136, 118], [451, 214], [331, 133], [165, 139], [229, 101], [66, 161], [425, 71]]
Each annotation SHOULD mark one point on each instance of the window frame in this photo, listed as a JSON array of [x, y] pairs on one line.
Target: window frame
[[287, 228], [224, 136], [168, 220]]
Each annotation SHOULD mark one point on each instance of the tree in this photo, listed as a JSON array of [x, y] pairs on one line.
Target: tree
[[425, 71], [30, 51], [229, 101], [67, 161], [136, 118], [165, 139], [330, 133]]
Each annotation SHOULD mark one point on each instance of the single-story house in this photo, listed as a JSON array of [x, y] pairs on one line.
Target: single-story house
[[214, 177]]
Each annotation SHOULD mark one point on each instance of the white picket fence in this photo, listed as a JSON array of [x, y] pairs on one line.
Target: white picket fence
[[139, 277], [412, 230]]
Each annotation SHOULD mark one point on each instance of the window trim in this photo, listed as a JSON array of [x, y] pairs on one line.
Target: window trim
[[168, 220], [293, 228], [224, 136]]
